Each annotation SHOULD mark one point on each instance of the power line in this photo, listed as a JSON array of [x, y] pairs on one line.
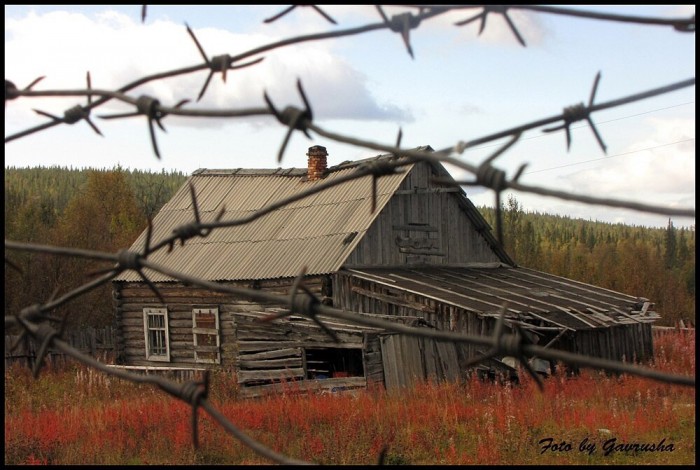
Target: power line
[[597, 123], [609, 157]]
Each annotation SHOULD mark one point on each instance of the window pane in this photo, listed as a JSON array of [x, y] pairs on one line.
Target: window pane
[[157, 342], [156, 321], [206, 340], [205, 320]]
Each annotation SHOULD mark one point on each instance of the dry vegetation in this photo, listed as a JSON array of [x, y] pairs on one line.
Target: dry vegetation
[[73, 415]]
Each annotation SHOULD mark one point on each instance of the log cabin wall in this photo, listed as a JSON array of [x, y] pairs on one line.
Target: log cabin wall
[[294, 352], [131, 298], [422, 224]]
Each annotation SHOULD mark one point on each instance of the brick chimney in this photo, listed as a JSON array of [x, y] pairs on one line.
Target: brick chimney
[[317, 162]]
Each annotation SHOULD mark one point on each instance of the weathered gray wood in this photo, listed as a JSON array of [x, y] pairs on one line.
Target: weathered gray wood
[[273, 354], [415, 228], [396, 300], [245, 376], [287, 362], [331, 385], [402, 361], [268, 345], [434, 190], [431, 360], [448, 361]]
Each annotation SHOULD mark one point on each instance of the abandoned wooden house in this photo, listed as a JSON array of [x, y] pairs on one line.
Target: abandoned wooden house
[[425, 256]]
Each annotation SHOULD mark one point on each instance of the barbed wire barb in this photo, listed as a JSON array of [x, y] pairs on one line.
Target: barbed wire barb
[[379, 169], [490, 177], [12, 92], [293, 117], [501, 9], [507, 345], [220, 63], [687, 26], [580, 112], [402, 24], [289, 9], [305, 307], [193, 229], [76, 113], [149, 107]]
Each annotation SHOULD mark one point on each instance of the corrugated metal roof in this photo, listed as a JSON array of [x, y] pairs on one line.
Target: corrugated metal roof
[[314, 231], [530, 295]]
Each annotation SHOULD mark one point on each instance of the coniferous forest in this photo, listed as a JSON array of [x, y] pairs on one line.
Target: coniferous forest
[[106, 209]]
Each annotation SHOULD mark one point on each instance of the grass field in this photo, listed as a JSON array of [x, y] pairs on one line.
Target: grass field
[[73, 415]]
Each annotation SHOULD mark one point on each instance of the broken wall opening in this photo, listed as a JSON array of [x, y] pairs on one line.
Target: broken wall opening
[[324, 363]]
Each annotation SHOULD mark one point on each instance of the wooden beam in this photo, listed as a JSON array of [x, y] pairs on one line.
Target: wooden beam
[[427, 190], [304, 386], [286, 362], [416, 228], [272, 354], [393, 300], [245, 376]]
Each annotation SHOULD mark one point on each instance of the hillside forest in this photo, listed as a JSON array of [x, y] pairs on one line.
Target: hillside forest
[[106, 209]]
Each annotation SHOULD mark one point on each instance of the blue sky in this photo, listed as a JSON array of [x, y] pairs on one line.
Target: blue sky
[[460, 86]]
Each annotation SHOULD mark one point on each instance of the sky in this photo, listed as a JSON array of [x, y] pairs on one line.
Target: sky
[[459, 86]]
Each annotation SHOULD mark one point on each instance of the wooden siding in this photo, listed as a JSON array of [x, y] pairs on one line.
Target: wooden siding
[[633, 342], [408, 360], [372, 360], [422, 224]]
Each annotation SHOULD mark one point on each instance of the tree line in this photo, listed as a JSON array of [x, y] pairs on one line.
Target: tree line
[[106, 209], [103, 210]]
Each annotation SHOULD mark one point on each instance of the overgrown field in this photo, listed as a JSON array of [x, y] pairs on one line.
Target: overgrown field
[[77, 416]]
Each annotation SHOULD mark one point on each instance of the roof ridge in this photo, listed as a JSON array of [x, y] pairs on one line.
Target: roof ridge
[[294, 171]]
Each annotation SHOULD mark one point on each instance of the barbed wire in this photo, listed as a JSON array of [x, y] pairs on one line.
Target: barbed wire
[[487, 176], [35, 321]]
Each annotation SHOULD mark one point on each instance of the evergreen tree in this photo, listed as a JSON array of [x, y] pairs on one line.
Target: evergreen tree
[[670, 245]]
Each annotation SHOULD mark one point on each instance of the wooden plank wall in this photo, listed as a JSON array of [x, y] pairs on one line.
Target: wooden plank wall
[[403, 365], [629, 342], [360, 295], [372, 360], [427, 217], [97, 342], [408, 360], [275, 351], [335, 385]]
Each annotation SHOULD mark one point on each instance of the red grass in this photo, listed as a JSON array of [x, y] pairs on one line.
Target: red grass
[[48, 421]]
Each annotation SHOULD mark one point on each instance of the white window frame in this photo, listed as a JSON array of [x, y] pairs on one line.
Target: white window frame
[[165, 335], [207, 331]]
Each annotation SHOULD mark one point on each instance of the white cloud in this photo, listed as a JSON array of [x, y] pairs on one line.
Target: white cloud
[[657, 170], [117, 49], [654, 171]]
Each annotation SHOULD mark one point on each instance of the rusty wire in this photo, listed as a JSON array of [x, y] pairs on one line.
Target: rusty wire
[[35, 320]]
